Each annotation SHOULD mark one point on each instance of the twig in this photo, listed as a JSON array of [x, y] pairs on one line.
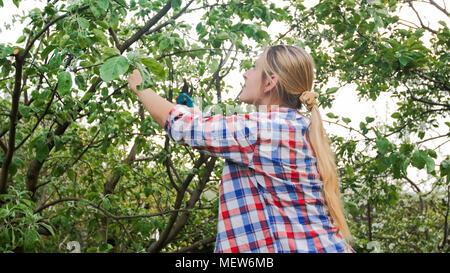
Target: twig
[[439, 7], [173, 18], [196, 245], [47, 26], [107, 213], [420, 20], [146, 27], [425, 101], [446, 135]]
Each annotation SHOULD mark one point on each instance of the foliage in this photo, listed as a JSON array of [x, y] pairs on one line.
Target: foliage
[[81, 162]]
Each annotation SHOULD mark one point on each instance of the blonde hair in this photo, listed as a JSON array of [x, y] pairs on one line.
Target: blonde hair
[[294, 68]]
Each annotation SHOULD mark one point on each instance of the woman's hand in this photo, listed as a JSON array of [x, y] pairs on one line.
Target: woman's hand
[[134, 80]]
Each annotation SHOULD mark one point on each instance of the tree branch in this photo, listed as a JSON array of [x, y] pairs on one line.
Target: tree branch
[[146, 27], [439, 7], [12, 124], [196, 245], [445, 239], [183, 10], [105, 212], [193, 200], [425, 140], [425, 101], [114, 36], [47, 26], [420, 20], [39, 119], [159, 244]]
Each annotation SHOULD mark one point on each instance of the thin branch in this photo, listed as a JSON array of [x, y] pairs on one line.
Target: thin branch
[[3, 146], [47, 26], [409, 22], [439, 7], [87, 147], [39, 119], [425, 140], [349, 128], [12, 124], [425, 101], [183, 10], [146, 27], [441, 144], [159, 244], [192, 201], [114, 36], [105, 212], [413, 184], [196, 245], [439, 83], [7, 78], [75, 70], [420, 20], [445, 239]]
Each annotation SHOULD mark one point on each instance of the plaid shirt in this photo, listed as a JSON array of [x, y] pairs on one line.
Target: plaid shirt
[[271, 194]]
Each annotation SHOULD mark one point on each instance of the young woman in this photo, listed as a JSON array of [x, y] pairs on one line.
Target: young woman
[[279, 190]]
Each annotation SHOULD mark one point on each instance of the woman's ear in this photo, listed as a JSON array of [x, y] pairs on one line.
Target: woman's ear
[[270, 83]]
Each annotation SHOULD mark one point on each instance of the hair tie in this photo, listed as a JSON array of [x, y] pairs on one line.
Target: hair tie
[[309, 99]]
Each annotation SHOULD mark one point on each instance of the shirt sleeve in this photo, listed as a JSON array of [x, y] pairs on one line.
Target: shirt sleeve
[[232, 137]]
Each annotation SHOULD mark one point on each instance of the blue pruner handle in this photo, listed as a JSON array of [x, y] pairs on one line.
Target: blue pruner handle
[[185, 99]]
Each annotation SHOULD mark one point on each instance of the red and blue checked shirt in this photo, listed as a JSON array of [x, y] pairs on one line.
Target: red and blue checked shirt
[[271, 193]]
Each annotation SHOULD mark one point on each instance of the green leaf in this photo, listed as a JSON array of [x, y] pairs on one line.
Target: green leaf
[[331, 115], [351, 208], [332, 90], [110, 52], [41, 149], [123, 3], [369, 119], [80, 82], [222, 35], [382, 164], [106, 204], [105, 248], [421, 135], [418, 159], [83, 23], [30, 237], [346, 120], [432, 153], [6, 51], [404, 60], [99, 7], [55, 62], [58, 143], [48, 227], [47, 50], [148, 191], [406, 148], [382, 145], [113, 68], [176, 4], [100, 36], [24, 111], [430, 164], [64, 82], [396, 115], [164, 44], [154, 66], [21, 39]]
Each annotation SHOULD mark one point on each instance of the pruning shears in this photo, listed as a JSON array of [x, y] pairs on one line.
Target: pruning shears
[[184, 97]]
